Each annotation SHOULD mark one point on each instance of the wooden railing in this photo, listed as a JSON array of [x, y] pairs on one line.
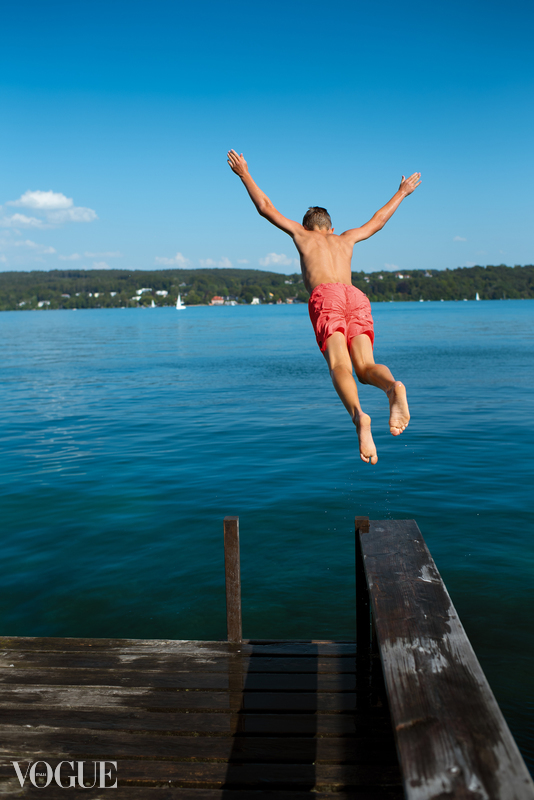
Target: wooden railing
[[452, 739]]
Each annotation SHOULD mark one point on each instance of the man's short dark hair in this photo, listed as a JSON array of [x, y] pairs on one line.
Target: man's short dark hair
[[317, 217]]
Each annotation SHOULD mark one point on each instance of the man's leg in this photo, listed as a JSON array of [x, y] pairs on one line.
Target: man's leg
[[361, 353], [340, 366]]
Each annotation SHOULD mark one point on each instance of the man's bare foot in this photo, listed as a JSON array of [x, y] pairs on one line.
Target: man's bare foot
[[363, 429], [399, 415]]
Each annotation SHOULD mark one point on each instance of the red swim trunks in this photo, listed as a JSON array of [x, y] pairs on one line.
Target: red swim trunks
[[339, 307]]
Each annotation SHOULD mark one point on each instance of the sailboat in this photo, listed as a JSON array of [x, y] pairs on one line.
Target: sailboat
[[179, 304], [477, 296]]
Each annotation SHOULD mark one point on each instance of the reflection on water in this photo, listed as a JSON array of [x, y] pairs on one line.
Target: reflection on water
[[127, 436]]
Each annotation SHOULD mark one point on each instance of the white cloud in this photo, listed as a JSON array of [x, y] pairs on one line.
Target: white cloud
[[21, 221], [55, 206], [391, 266], [243, 261], [73, 257], [27, 250], [469, 264], [38, 248], [277, 258], [225, 263], [44, 201], [113, 254], [75, 214], [179, 261], [100, 265], [459, 239]]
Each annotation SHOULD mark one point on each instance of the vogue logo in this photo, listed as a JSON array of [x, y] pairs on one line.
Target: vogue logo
[[41, 774]]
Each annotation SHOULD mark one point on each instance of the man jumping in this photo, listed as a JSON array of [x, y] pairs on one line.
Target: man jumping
[[340, 313]]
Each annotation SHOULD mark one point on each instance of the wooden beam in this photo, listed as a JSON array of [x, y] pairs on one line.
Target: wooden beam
[[363, 619], [233, 579], [451, 736]]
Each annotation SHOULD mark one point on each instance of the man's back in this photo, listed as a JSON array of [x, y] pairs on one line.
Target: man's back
[[324, 257]]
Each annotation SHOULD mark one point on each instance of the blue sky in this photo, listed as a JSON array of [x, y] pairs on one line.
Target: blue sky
[[117, 116]]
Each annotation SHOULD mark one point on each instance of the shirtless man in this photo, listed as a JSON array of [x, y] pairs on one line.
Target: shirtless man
[[340, 313]]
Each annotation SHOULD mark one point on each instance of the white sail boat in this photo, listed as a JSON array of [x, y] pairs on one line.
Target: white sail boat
[[179, 304], [477, 296]]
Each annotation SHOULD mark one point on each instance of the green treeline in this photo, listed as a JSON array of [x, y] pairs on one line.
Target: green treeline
[[491, 283], [122, 288], [115, 288]]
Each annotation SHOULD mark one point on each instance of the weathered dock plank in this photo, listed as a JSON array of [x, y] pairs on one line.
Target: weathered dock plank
[[451, 736], [111, 744], [181, 723], [196, 773], [252, 647], [188, 681], [173, 663], [146, 697], [164, 791]]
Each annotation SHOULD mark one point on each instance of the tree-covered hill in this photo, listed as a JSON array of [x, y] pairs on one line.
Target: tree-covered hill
[[131, 288], [491, 283], [115, 288]]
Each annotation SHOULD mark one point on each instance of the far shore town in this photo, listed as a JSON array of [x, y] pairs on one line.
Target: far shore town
[[231, 301]]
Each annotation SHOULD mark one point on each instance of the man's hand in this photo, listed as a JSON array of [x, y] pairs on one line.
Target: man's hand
[[238, 163], [407, 185]]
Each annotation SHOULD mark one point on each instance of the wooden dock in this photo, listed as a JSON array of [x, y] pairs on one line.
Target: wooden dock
[[403, 711]]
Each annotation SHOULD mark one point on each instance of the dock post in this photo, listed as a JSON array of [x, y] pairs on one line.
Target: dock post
[[363, 612], [233, 579]]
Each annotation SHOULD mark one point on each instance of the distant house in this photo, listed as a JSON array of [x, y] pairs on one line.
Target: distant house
[[217, 301], [113, 294], [42, 303], [65, 295], [140, 291], [162, 292], [255, 301], [401, 275]]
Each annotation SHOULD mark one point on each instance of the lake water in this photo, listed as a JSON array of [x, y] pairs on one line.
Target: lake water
[[127, 436]]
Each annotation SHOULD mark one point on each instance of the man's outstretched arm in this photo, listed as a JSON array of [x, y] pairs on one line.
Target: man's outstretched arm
[[379, 219], [259, 198]]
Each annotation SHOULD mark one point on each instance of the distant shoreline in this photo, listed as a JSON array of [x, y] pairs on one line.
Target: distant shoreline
[[79, 289], [244, 305]]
